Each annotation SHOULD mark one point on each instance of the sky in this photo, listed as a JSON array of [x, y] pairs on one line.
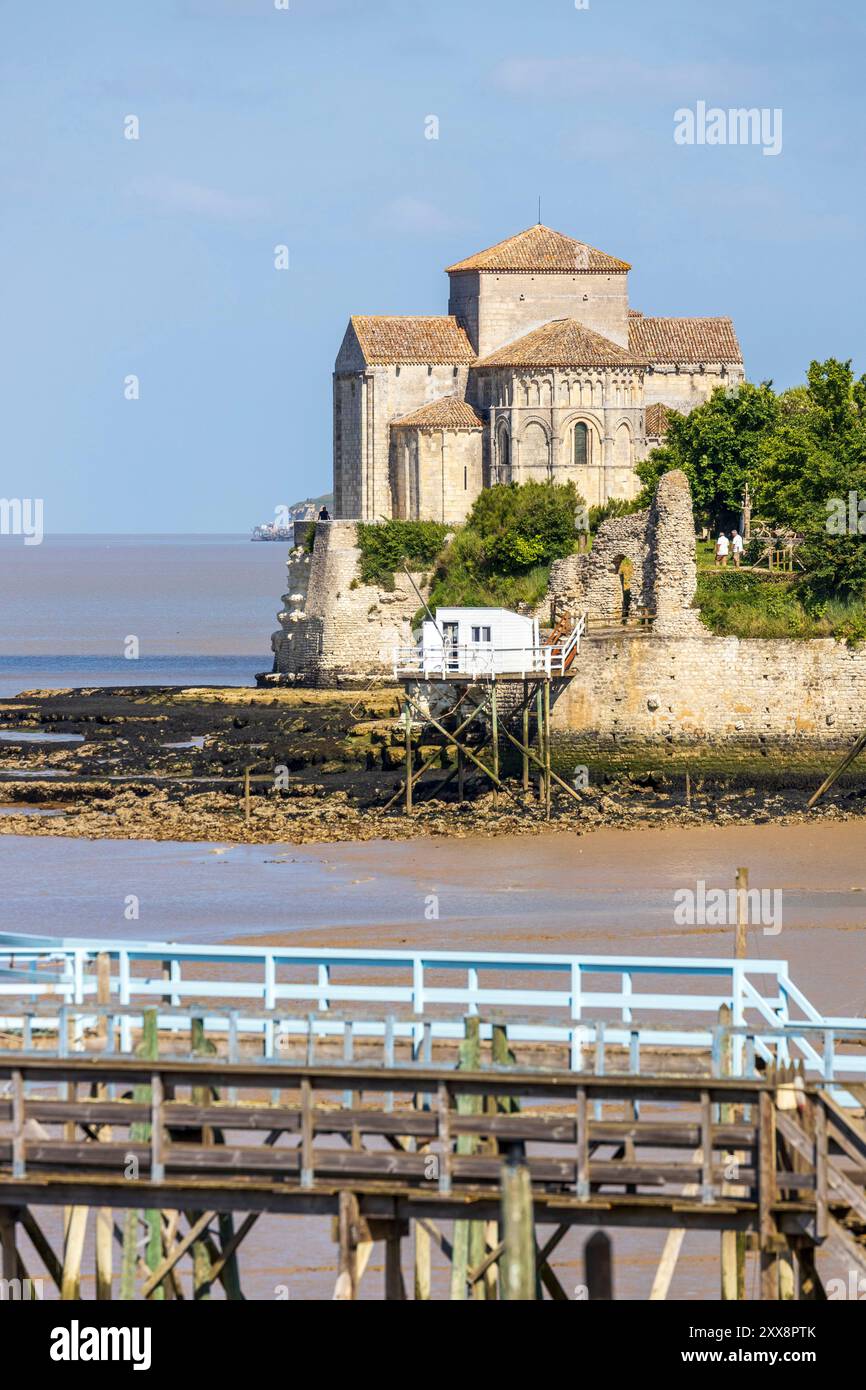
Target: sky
[[262, 126]]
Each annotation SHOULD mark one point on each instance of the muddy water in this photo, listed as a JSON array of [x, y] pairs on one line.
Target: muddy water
[[606, 892]]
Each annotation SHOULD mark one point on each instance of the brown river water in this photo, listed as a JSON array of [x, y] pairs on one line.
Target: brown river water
[[606, 892]]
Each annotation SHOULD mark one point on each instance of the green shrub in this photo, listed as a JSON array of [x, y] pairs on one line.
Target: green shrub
[[389, 545], [502, 556]]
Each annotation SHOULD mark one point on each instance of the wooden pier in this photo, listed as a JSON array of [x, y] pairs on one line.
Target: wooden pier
[[187, 1148]]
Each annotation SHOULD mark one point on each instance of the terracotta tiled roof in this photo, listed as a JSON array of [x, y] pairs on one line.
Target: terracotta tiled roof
[[657, 417], [540, 248], [448, 413], [386, 338], [684, 340], [562, 343]]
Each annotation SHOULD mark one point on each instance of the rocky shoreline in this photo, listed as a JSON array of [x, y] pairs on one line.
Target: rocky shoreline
[[170, 764]]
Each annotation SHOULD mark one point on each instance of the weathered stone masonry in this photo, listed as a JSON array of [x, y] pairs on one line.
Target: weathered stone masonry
[[677, 684]]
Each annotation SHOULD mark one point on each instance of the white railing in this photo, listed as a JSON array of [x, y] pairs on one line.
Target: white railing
[[483, 661], [567, 999]]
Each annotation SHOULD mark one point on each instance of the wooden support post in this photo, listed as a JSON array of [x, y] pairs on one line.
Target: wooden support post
[[395, 1289], [769, 1254], [8, 1250], [517, 1267], [539, 729], [72, 1254], [408, 725], [348, 1225], [461, 774], [494, 728], [742, 912], [468, 1235], [422, 1262], [547, 787], [246, 796], [525, 731], [729, 1265], [598, 1265], [202, 1276]]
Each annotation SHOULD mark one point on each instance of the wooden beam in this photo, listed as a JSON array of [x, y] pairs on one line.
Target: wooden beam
[[178, 1250]]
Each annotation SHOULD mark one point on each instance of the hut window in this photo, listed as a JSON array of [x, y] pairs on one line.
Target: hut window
[[481, 634]]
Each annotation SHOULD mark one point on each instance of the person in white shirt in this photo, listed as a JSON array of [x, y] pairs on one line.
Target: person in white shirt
[[737, 548], [722, 548]]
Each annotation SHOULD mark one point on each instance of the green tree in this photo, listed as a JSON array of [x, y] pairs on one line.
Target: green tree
[[718, 447]]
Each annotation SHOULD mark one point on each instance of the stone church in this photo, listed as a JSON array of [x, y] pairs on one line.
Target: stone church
[[539, 370]]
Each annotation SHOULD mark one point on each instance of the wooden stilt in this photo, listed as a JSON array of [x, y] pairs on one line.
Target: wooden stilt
[[408, 722], [422, 1262], [598, 1263], [202, 1276], [8, 1249], [539, 731], [769, 1253], [348, 1224], [104, 1252], [730, 1289], [468, 1240], [494, 725], [395, 1289], [72, 1254], [525, 731], [518, 1256], [547, 750], [461, 774]]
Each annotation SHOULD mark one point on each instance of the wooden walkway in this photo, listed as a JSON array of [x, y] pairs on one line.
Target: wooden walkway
[[193, 1144]]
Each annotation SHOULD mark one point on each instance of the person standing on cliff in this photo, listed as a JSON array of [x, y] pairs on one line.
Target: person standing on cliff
[[324, 514], [722, 547], [736, 547]]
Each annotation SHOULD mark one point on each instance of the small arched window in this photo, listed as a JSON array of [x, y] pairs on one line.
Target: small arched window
[[581, 445]]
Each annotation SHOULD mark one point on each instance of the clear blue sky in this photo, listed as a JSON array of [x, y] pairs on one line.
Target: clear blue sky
[[260, 126]]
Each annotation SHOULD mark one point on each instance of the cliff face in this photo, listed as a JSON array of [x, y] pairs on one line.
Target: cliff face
[[335, 630]]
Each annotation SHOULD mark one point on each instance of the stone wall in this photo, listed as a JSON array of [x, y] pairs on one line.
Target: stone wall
[[712, 690], [684, 387], [334, 630], [435, 474], [495, 308]]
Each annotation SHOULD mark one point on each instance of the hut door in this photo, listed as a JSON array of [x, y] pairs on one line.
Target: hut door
[[449, 632]]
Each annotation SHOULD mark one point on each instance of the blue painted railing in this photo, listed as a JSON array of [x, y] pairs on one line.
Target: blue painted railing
[[577, 1001]]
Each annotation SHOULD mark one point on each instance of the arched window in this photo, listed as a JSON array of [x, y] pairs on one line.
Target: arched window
[[581, 445], [504, 448]]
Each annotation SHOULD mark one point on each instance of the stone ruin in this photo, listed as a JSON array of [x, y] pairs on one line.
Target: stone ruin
[[660, 545]]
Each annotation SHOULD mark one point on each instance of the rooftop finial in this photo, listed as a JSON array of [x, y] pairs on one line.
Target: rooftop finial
[[539, 209]]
